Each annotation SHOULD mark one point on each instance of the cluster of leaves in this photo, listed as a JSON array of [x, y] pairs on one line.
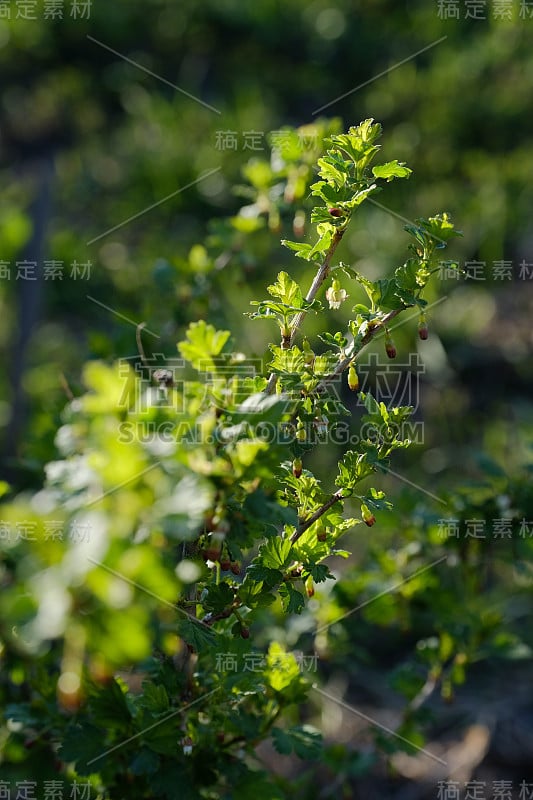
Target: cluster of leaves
[[199, 514], [456, 607]]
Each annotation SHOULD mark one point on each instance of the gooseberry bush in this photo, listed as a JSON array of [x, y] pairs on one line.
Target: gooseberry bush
[[136, 582]]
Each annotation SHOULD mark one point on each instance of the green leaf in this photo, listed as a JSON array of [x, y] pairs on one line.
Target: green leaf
[[254, 786], [287, 361], [302, 249], [203, 343], [358, 143], [172, 780], [292, 600], [440, 226], [321, 246], [319, 214], [337, 340], [369, 286], [387, 294], [108, 705], [282, 741], [371, 405], [82, 744], [217, 597], [286, 290], [145, 762], [391, 170], [333, 169], [330, 194], [319, 572], [353, 467], [154, 698], [198, 635], [305, 741], [281, 667], [405, 276], [261, 574], [275, 553], [361, 196]]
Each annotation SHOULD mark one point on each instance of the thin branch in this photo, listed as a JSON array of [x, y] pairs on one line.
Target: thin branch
[[318, 280], [345, 362], [316, 516], [369, 335], [65, 386], [140, 347]]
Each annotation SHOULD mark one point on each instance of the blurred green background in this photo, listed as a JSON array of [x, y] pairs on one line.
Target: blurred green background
[[108, 125], [90, 140]]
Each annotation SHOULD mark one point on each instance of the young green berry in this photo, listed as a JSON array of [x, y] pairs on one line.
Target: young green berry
[[322, 534], [300, 432], [353, 379], [297, 467], [368, 517], [308, 354], [309, 587]]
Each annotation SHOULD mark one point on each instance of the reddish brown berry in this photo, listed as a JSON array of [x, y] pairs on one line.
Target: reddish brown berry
[[368, 517], [390, 347], [297, 467], [245, 632], [235, 567], [225, 564], [423, 332], [214, 548], [335, 212]]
